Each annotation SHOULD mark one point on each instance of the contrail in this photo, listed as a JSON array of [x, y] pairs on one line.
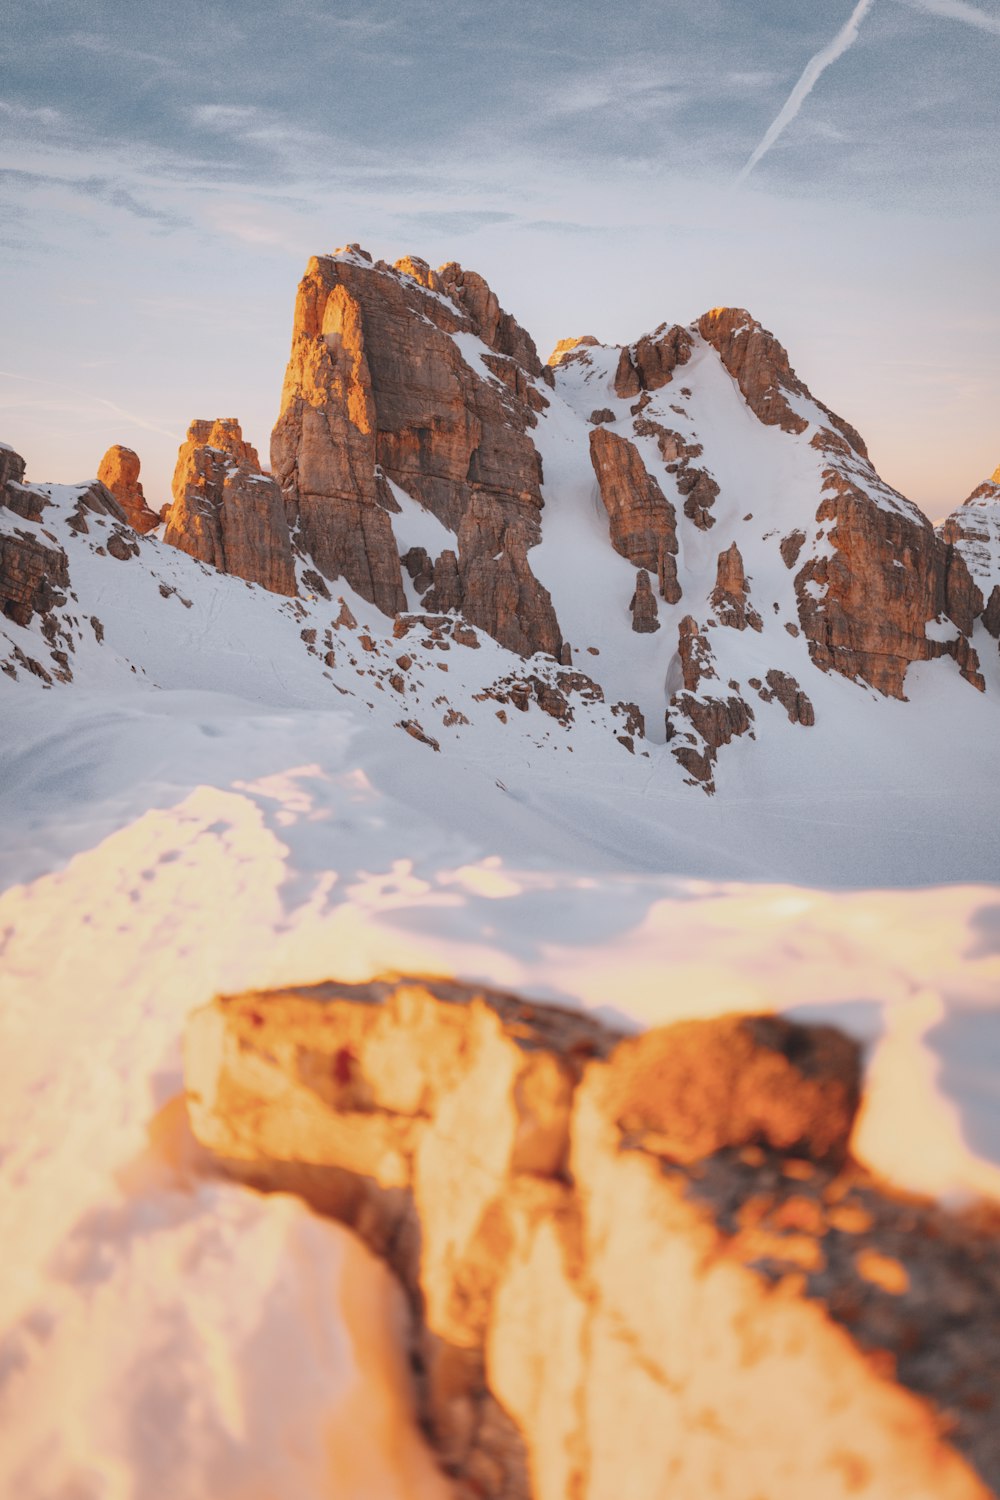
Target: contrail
[[811, 73], [958, 10]]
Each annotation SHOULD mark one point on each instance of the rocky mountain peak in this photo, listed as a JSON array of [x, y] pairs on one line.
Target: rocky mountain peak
[[650, 364], [567, 348], [421, 460], [761, 368]]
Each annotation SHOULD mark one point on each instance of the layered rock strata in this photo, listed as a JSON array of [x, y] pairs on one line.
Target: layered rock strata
[[378, 389], [119, 473], [865, 605], [226, 512], [638, 1266], [643, 522]]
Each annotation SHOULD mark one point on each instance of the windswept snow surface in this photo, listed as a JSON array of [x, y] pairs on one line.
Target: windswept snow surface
[[209, 805]]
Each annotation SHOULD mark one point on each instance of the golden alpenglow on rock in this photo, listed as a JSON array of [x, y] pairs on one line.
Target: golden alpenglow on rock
[[635, 1265]]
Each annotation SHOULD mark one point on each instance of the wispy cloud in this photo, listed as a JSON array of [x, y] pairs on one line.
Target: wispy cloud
[[105, 190], [58, 398], [25, 115], [813, 71], [636, 88], [958, 10]]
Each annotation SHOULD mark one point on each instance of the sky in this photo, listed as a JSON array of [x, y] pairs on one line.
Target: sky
[[166, 171]]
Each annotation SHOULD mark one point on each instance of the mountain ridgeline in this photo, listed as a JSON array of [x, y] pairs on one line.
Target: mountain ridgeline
[[677, 524]]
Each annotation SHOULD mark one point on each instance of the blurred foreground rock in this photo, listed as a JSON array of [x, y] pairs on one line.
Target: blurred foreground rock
[[638, 1267]]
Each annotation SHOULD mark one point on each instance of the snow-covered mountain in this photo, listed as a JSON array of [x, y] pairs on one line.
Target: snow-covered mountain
[[667, 561], [585, 680]]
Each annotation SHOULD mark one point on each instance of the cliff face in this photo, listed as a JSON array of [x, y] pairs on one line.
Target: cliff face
[[636, 1266], [972, 536], [866, 606], [378, 388], [226, 512], [643, 522]]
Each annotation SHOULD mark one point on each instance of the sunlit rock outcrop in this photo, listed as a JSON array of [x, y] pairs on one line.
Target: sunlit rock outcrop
[[119, 472], [226, 512], [637, 1267], [379, 388]]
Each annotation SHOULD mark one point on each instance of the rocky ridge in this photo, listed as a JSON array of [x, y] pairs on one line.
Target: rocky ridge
[[426, 458], [635, 1264]]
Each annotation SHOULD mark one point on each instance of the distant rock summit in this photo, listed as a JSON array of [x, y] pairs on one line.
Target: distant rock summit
[[681, 508]]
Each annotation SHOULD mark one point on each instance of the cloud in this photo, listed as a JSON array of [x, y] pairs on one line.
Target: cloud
[[636, 88], [23, 114], [104, 190], [454, 221], [958, 10], [814, 69]]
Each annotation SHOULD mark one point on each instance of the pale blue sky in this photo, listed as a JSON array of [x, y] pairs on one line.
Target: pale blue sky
[[166, 171]]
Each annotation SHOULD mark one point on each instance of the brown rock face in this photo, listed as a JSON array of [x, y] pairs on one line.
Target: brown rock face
[[865, 609], [643, 606], [650, 364], [15, 495], [972, 537], [643, 522], [731, 595], [226, 512], [376, 386], [696, 657], [793, 700], [501, 330], [761, 369], [717, 721], [702, 1086], [634, 1266], [119, 471], [33, 576]]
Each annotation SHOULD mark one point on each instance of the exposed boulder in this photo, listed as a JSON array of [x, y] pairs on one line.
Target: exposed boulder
[[226, 512], [634, 1267], [119, 472]]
